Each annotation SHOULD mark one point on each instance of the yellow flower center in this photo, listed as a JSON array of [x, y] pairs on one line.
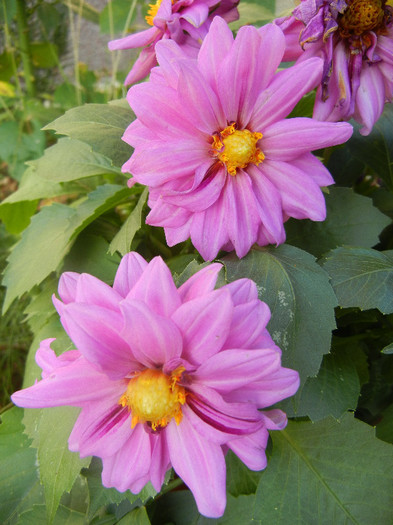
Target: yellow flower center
[[237, 148], [152, 11], [154, 397], [361, 16]]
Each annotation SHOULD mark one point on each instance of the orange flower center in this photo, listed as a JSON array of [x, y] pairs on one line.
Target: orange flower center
[[237, 148], [362, 16], [152, 11], [154, 397]]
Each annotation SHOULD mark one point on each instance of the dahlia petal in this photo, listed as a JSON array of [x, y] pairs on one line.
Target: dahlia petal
[[167, 215], [290, 138], [216, 45], [242, 213], [209, 229], [90, 290], [48, 361], [284, 383], [196, 14], [75, 384], [204, 323], [101, 429], [384, 48], [231, 369], [251, 449], [94, 331], [168, 53], [314, 169], [292, 29], [153, 339], [156, 288], [142, 66], [200, 460], [199, 102], [204, 196], [130, 270], [269, 205], [201, 283], [284, 92], [67, 286], [130, 463], [248, 322], [274, 419], [160, 461], [370, 98], [178, 234], [301, 196], [143, 38], [242, 291], [272, 37]]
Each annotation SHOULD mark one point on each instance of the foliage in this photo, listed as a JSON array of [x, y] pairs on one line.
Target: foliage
[[329, 288]]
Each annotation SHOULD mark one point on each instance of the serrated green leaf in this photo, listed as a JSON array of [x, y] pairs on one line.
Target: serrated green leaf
[[300, 298], [49, 237], [361, 278], [19, 483], [123, 239], [99, 125], [351, 220], [336, 388], [16, 217], [64, 516], [135, 517], [71, 159], [324, 473], [388, 349], [32, 187], [240, 479], [58, 466]]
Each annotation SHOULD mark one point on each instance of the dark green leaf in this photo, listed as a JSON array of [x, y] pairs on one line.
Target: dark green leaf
[[240, 479], [16, 217], [384, 429], [44, 54], [64, 516], [135, 517], [99, 125], [351, 220], [19, 483], [362, 278], [388, 349], [325, 473], [300, 298]]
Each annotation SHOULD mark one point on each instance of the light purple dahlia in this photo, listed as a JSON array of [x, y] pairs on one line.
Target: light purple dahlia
[[185, 21], [222, 163], [355, 40], [165, 376]]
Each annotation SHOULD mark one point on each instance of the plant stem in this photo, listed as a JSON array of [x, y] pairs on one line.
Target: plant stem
[[171, 485], [24, 46]]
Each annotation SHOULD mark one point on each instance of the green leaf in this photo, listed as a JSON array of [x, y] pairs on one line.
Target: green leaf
[[71, 159], [135, 517], [384, 429], [99, 125], [16, 217], [32, 188], [49, 236], [240, 479], [19, 483], [361, 278], [336, 388], [64, 516], [57, 465], [388, 349], [324, 473], [123, 239], [44, 54], [300, 298], [351, 220], [253, 13]]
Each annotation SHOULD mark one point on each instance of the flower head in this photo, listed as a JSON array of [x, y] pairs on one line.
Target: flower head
[[185, 21], [355, 40], [165, 376], [222, 163]]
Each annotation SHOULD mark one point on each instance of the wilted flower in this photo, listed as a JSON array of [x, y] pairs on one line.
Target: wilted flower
[[185, 21], [355, 40], [222, 163], [165, 376]]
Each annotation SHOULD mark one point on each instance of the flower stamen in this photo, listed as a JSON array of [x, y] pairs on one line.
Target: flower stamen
[[237, 148], [155, 398]]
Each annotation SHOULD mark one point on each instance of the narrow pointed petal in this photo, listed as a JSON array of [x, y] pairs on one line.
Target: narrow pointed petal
[[200, 283], [199, 461], [154, 339], [248, 323], [156, 288], [242, 291], [160, 461], [129, 272], [135, 40], [370, 98], [204, 323], [90, 290], [314, 169], [251, 449], [67, 286]]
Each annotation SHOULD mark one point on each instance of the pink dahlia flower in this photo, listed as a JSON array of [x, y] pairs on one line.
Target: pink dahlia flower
[[185, 21], [222, 163], [355, 40], [165, 377]]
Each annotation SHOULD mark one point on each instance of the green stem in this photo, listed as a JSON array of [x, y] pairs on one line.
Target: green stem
[[24, 46], [171, 485], [6, 407]]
